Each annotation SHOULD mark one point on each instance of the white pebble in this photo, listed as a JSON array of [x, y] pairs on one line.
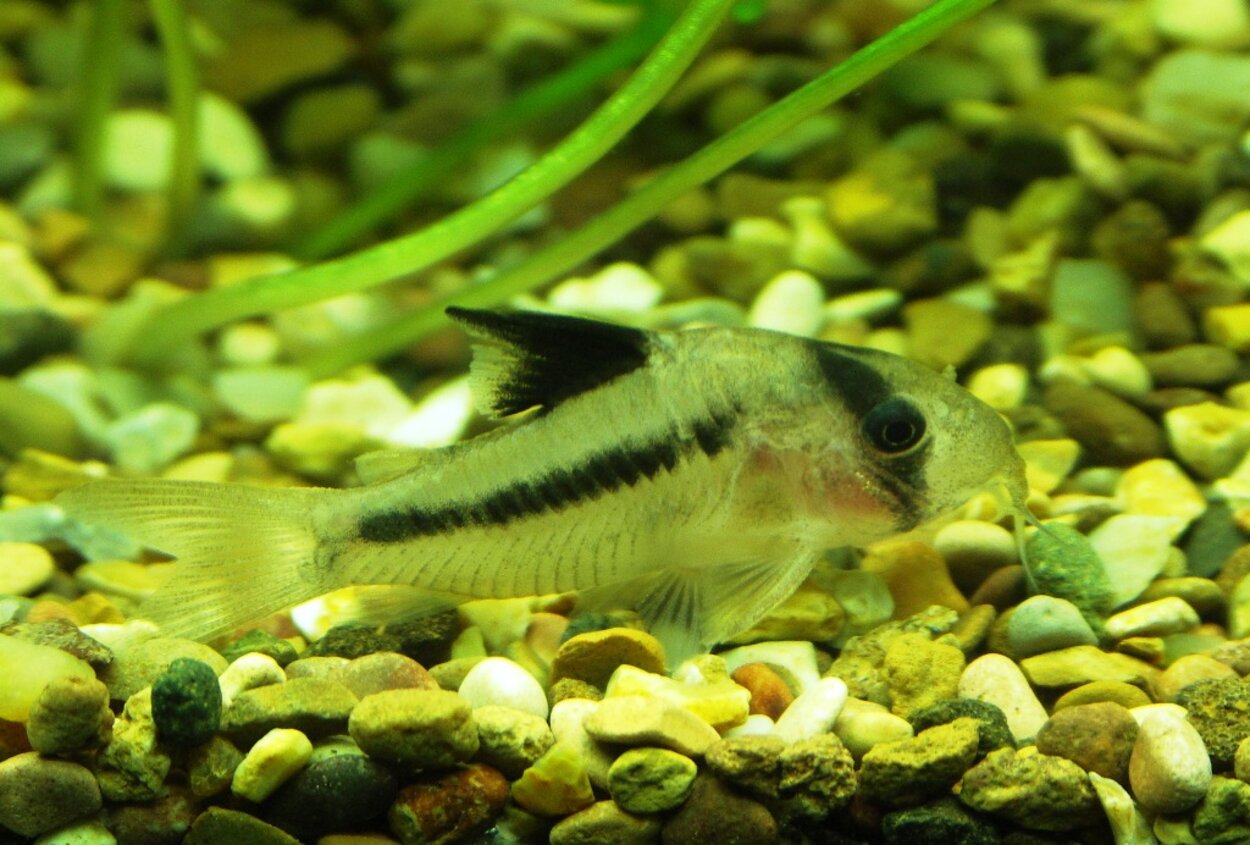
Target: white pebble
[[1171, 615], [249, 671], [497, 680], [864, 724], [1169, 770], [757, 724], [271, 762], [792, 301], [620, 288], [996, 679], [813, 712]]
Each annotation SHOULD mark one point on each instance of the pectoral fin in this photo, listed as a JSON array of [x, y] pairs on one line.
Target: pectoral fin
[[689, 610]]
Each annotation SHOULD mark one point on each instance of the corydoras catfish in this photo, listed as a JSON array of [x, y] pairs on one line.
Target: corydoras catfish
[[694, 475]]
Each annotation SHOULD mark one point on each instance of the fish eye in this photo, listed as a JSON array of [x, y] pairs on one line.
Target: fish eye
[[894, 426]]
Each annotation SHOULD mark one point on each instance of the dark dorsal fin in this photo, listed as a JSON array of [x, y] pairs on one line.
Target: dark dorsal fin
[[533, 359]]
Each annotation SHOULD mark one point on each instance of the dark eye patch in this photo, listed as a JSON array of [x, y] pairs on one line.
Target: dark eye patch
[[894, 426]]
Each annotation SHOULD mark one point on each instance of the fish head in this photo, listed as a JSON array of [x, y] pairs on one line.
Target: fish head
[[899, 445]]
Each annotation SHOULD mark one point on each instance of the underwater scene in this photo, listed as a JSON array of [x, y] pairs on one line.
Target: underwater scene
[[612, 422]]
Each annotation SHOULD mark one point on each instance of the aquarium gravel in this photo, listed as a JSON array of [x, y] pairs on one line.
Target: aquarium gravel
[[1051, 203]]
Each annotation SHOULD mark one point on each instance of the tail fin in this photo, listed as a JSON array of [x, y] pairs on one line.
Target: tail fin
[[243, 552]]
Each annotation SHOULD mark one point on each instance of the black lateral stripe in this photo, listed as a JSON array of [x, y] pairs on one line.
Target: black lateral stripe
[[601, 473]]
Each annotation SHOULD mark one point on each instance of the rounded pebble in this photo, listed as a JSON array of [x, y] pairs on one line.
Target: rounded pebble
[[1169, 770], [1097, 737], [593, 656], [1153, 619], [497, 680], [453, 807], [510, 740], [24, 568], [997, 680], [249, 671], [603, 822], [384, 670], [637, 720], [335, 793], [556, 785], [864, 724], [713, 815], [422, 729], [1045, 623]]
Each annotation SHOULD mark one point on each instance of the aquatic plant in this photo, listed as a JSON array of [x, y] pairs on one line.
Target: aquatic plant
[[172, 325]]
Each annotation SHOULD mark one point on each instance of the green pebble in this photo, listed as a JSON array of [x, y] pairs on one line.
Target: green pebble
[[1062, 563], [186, 702], [651, 780]]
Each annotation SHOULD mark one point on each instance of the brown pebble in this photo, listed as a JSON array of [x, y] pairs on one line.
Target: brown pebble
[[453, 807], [1004, 588], [1192, 365], [715, 815], [769, 694], [1109, 429], [916, 575], [1162, 317], [1097, 737]]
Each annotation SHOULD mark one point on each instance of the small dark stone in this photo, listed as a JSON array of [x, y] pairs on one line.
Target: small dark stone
[[30, 334], [584, 623], [991, 721], [1111, 430], [186, 702], [715, 815], [352, 641], [261, 642], [219, 826], [1193, 365], [333, 794], [941, 822], [426, 639], [1135, 238]]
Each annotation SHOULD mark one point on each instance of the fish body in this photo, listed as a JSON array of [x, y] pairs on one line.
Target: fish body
[[695, 476]]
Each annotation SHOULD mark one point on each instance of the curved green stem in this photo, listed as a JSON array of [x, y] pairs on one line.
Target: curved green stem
[[625, 216], [528, 107], [100, 61], [182, 89], [408, 254]]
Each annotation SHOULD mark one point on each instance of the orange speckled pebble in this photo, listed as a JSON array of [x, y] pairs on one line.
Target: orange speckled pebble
[[769, 694]]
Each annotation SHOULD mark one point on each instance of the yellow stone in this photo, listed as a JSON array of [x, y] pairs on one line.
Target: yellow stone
[[556, 785], [916, 575], [1160, 487], [27, 668], [722, 704], [1048, 462]]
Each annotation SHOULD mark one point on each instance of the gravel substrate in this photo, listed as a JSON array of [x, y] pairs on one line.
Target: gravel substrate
[[1053, 202]]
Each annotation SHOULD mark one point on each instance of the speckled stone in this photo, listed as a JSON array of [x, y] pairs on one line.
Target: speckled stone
[[1208, 438], [651, 780], [452, 807], [993, 730], [313, 706], [71, 714], [997, 680], [420, 729], [1223, 815], [817, 777], [897, 774], [38, 795], [1097, 737], [335, 793], [603, 822], [920, 672], [510, 740], [1033, 790], [941, 822], [218, 826], [1169, 770], [751, 763], [1064, 564], [211, 766], [713, 815], [186, 702], [165, 820], [1220, 711], [133, 766]]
